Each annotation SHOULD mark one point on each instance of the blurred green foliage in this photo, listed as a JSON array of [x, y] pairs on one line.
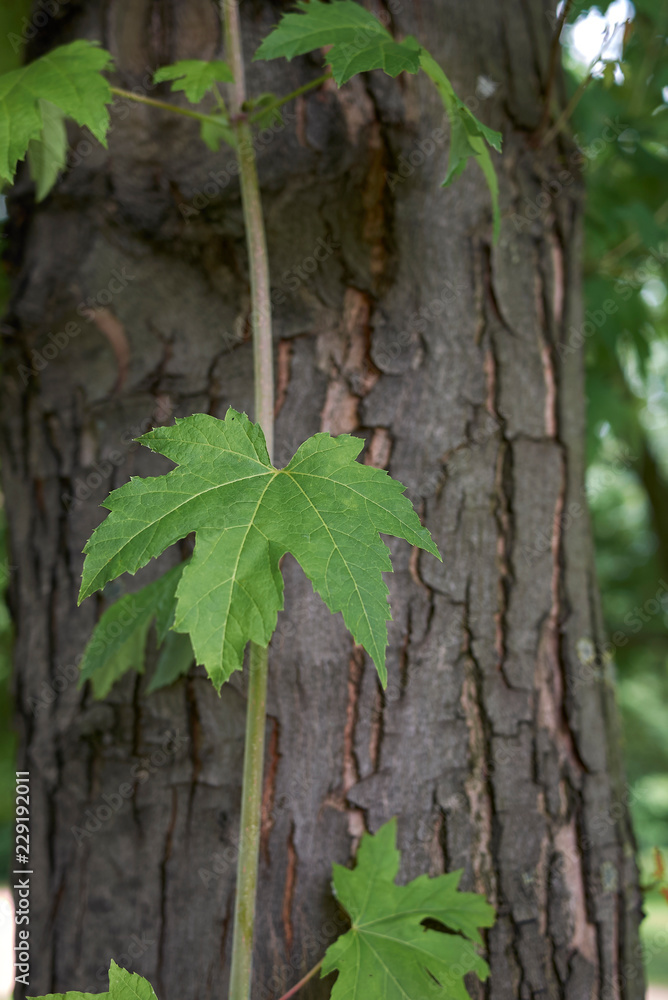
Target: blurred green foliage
[[14, 32], [626, 263]]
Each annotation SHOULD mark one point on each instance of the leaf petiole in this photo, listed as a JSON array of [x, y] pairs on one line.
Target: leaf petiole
[[166, 106], [302, 982], [212, 119], [280, 101], [220, 101]]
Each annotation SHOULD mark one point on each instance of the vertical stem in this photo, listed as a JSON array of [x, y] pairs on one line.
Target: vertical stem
[[302, 982], [251, 806], [249, 843], [255, 236]]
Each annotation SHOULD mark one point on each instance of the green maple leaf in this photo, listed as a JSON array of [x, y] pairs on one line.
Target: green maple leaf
[[175, 660], [324, 507], [72, 995], [195, 77], [47, 156], [359, 42], [263, 110], [68, 78], [118, 641], [387, 954], [469, 138], [215, 132], [123, 985]]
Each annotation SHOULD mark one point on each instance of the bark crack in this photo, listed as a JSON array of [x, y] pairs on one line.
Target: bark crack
[[289, 890], [269, 789], [167, 852], [351, 775], [194, 743]]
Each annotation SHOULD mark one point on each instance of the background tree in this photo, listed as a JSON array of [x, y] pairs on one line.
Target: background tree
[[496, 742], [627, 379]]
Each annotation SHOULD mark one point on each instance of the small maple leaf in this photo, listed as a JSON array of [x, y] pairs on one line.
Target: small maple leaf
[[388, 954]]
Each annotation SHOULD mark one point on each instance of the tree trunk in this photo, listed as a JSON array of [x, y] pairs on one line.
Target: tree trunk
[[396, 319]]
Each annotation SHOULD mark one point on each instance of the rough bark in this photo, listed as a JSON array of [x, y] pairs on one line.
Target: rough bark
[[495, 742]]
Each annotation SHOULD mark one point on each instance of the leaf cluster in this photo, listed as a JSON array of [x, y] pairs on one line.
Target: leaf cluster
[[357, 42], [68, 82], [388, 953]]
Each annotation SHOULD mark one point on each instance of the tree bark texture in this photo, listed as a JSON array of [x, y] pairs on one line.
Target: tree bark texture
[[496, 742]]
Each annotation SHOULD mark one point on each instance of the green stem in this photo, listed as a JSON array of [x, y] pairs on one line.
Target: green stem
[[251, 806], [251, 812], [211, 119], [255, 235], [280, 101], [302, 982], [165, 106]]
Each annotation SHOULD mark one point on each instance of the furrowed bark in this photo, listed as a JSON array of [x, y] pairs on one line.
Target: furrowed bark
[[396, 319]]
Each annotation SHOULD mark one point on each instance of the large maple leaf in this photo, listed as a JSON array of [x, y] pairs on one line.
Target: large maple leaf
[[324, 507], [357, 40]]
